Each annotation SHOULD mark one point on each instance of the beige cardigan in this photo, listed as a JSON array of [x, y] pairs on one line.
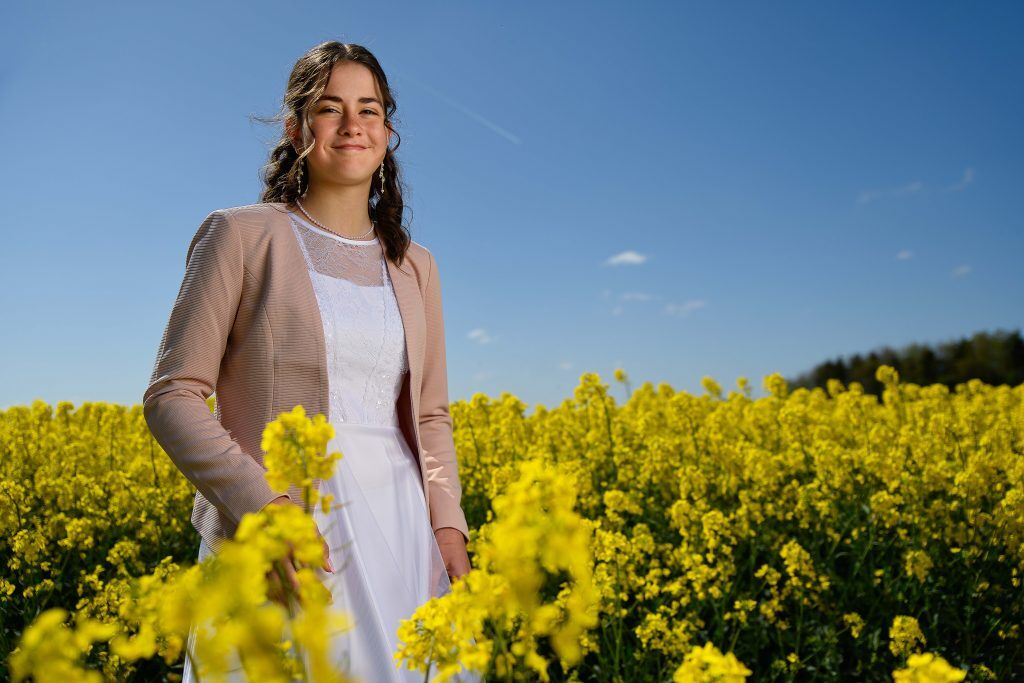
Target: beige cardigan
[[246, 324]]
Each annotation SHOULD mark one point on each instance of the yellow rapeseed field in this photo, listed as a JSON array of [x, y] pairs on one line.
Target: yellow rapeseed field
[[826, 535]]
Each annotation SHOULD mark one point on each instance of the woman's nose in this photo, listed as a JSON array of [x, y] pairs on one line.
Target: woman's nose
[[349, 121]]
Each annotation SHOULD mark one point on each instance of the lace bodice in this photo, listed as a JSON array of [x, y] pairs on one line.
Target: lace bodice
[[366, 354]]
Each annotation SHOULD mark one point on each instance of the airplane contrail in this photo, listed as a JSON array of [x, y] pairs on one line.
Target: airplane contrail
[[514, 139]]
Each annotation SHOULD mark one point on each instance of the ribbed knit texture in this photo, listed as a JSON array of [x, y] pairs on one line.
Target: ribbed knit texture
[[246, 324]]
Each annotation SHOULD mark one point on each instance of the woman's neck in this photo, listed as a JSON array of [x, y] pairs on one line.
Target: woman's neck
[[342, 213]]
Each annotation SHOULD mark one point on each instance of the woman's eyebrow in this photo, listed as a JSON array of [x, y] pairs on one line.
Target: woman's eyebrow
[[335, 98]]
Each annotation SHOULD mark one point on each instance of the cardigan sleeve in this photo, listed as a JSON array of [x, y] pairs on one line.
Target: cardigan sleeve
[[435, 421], [186, 371]]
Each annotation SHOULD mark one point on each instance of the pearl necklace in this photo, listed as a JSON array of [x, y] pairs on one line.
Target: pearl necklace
[[373, 224]]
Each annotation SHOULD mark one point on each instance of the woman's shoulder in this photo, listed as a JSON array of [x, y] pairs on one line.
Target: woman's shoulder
[[422, 261], [253, 222], [419, 253], [258, 214]]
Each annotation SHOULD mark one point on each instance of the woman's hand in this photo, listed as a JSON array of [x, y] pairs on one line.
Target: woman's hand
[[452, 544], [275, 590]]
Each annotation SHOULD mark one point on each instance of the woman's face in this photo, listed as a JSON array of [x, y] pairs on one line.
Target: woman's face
[[349, 134]]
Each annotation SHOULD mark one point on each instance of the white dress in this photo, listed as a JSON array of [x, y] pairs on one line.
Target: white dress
[[384, 552]]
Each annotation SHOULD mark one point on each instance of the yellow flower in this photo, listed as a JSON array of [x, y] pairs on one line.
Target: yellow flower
[[711, 386], [928, 668], [775, 384], [905, 635], [50, 651], [708, 665], [535, 535], [917, 563], [695, 513], [855, 622], [887, 375], [295, 447]]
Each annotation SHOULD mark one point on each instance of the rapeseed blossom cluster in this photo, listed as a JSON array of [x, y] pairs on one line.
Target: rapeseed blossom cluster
[[50, 651], [295, 452], [516, 593], [801, 529], [928, 668], [225, 597], [905, 636], [708, 665]]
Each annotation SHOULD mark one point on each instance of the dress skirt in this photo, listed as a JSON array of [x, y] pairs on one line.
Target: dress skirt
[[386, 559]]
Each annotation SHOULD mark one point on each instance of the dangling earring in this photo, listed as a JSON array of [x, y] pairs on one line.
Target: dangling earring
[[300, 174], [382, 179]]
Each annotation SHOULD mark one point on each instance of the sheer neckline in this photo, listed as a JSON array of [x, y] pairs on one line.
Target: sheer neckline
[[347, 240]]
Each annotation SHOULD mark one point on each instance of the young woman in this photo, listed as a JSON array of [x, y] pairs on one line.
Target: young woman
[[318, 296]]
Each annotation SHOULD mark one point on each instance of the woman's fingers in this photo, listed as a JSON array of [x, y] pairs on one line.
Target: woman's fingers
[[274, 591], [289, 570], [328, 565]]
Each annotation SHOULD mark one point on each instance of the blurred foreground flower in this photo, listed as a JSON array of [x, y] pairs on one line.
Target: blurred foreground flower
[[492, 618], [225, 596]]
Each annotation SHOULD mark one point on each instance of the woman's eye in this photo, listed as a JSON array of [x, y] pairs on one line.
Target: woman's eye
[[336, 111]]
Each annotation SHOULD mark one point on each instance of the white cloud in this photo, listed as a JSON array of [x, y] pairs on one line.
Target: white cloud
[[619, 309], [564, 365], [635, 296], [480, 336], [913, 188], [961, 271], [904, 255], [626, 258], [871, 195], [909, 188], [685, 308], [966, 180]]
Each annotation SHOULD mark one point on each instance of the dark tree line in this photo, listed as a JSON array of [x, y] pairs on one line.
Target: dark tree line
[[995, 358]]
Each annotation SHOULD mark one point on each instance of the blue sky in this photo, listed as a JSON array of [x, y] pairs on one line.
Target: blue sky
[[723, 189]]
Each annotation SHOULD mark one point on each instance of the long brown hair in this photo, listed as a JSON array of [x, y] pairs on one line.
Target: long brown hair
[[285, 175]]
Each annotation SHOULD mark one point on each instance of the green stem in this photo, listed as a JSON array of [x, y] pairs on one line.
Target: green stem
[[618, 619]]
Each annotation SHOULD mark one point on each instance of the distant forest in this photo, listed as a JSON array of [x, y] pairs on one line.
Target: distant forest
[[995, 358]]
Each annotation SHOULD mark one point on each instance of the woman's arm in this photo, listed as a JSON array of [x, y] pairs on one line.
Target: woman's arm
[[186, 371], [435, 421]]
